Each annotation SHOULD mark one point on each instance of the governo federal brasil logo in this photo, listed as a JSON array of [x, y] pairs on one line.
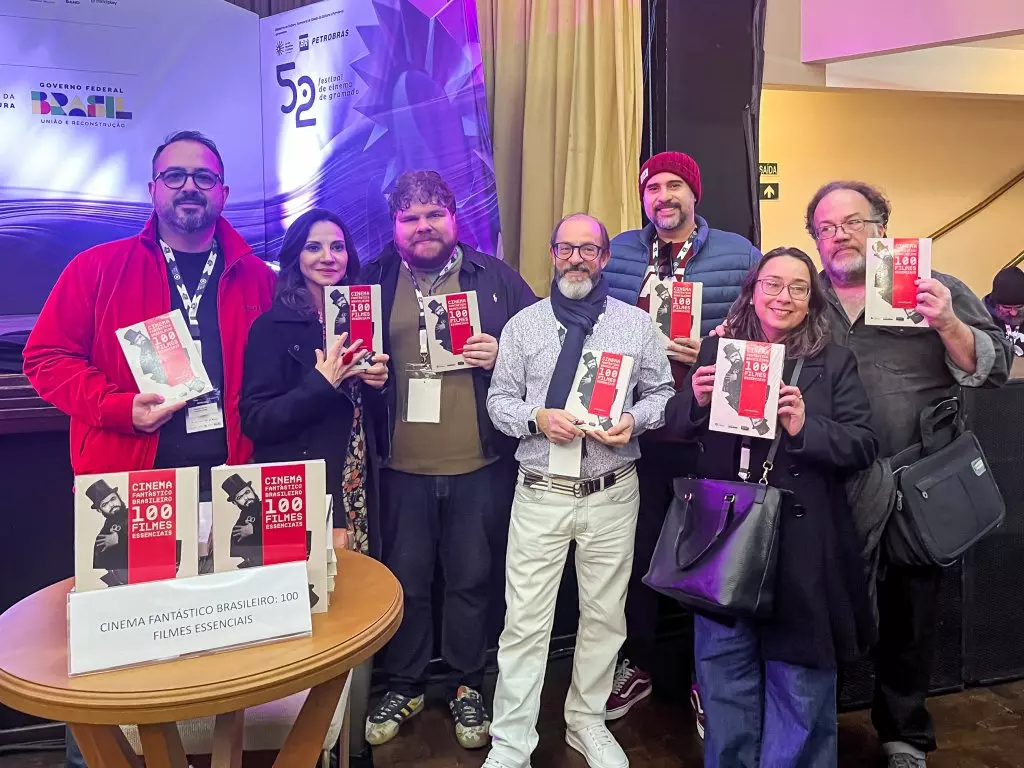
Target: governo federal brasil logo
[[66, 100]]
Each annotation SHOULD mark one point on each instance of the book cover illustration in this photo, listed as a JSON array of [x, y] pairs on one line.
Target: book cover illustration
[[164, 359], [355, 310], [893, 266], [675, 308], [135, 527], [599, 389], [272, 513], [451, 319], [745, 400]]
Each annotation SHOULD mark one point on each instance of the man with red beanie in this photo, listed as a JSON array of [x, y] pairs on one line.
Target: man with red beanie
[[678, 243], [187, 257]]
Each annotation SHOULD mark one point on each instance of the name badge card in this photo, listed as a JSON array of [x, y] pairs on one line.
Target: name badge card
[[423, 403]]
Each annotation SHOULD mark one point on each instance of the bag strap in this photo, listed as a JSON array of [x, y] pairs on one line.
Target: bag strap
[[940, 423], [769, 462]]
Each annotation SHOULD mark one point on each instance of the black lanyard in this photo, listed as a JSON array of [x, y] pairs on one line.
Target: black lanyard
[[446, 270], [191, 303], [677, 267]]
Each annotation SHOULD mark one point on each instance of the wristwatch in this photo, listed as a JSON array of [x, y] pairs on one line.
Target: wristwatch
[[531, 423]]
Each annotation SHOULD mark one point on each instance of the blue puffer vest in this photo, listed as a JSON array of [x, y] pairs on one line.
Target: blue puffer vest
[[721, 261]]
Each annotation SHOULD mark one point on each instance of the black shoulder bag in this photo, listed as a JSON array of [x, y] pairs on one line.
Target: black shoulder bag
[[946, 498], [719, 544]]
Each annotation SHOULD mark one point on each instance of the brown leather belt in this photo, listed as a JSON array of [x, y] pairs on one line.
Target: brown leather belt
[[579, 488]]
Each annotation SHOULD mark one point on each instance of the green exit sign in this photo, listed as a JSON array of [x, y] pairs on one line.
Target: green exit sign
[[768, 169]]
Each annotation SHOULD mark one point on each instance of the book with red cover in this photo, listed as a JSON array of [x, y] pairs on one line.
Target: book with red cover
[[675, 308], [745, 400], [272, 513], [894, 264], [355, 310], [599, 389], [135, 527], [164, 359], [451, 319]]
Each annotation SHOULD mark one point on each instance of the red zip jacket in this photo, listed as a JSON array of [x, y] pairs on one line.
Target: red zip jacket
[[74, 360]]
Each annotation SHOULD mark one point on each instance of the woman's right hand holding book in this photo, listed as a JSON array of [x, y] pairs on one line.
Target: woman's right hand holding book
[[340, 361]]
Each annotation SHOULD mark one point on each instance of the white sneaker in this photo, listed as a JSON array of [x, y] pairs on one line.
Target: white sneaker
[[598, 746], [494, 762]]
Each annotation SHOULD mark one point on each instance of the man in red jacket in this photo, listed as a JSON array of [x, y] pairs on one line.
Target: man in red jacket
[[188, 258]]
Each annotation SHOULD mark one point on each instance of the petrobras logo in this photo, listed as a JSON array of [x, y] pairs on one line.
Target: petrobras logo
[[91, 102], [306, 41]]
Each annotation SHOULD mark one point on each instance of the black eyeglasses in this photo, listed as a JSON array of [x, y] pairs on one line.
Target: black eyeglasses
[[588, 251], [175, 178], [772, 286], [828, 231]]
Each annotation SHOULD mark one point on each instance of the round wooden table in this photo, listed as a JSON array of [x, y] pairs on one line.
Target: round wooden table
[[366, 609]]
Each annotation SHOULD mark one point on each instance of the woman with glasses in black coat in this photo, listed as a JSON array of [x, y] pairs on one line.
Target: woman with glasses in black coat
[[769, 685]]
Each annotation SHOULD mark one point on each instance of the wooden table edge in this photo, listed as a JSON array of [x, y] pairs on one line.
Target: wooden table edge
[[91, 708]]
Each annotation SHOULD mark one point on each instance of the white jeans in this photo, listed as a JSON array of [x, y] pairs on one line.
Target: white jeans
[[543, 523]]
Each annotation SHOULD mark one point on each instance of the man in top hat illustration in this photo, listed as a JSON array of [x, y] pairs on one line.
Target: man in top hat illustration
[[149, 361], [585, 390], [664, 314], [732, 382], [885, 277], [442, 331], [110, 551], [247, 533], [342, 321]]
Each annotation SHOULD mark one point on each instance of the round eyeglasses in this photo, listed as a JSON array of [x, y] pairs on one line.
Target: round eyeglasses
[[772, 286], [175, 178], [588, 251]]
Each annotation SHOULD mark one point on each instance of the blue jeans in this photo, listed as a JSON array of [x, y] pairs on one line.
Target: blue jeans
[[761, 712], [71, 751]]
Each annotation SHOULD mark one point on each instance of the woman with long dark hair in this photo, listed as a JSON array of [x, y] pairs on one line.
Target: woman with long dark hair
[[769, 686], [303, 401]]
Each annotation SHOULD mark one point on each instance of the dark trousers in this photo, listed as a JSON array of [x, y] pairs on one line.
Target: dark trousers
[[453, 519], [659, 463], [907, 605]]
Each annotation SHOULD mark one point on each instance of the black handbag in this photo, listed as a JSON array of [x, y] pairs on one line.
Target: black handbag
[[947, 499], [718, 547]]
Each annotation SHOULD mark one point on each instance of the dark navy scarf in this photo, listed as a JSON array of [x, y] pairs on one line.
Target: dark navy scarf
[[578, 317]]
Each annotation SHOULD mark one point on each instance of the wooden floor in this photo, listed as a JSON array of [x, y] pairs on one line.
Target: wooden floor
[[980, 728]]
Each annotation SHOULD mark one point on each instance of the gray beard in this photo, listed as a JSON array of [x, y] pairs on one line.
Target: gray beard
[[575, 289], [848, 275]]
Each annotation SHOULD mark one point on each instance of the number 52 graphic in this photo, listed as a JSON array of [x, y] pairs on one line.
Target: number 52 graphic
[[304, 82]]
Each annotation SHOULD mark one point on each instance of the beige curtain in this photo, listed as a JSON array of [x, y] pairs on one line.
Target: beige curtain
[[565, 92]]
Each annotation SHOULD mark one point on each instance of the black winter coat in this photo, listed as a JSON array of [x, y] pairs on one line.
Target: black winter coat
[[822, 611], [292, 413]]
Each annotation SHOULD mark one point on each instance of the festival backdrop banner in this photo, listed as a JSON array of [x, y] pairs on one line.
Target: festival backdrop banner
[[88, 89], [356, 92]]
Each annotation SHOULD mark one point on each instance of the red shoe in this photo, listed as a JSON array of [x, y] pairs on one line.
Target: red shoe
[[632, 685], [698, 709]]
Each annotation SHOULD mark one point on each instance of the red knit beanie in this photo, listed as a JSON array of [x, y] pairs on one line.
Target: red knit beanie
[[682, 165]]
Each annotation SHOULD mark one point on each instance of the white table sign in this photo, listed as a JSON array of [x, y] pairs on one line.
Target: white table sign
[[163, 620]]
